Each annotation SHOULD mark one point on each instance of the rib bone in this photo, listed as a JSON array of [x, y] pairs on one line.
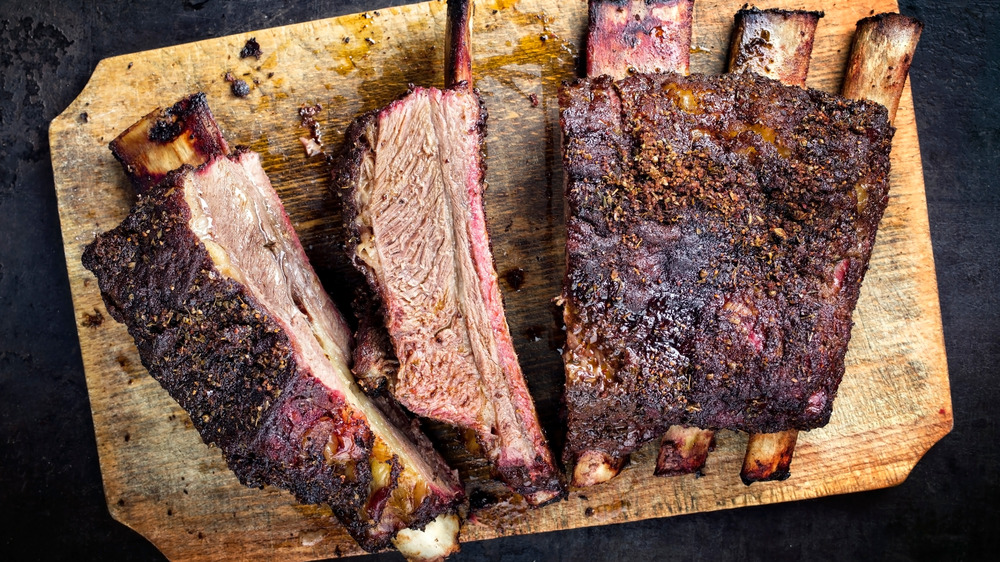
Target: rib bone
[[645, 36], [877, 67], [639, 36], [776, 44]]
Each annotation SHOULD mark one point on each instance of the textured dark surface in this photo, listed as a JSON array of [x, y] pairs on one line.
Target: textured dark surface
[[712, 271], [51, 502]]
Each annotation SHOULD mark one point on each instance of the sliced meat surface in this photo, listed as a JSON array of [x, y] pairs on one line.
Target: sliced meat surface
[[414, 177], [227, 314]]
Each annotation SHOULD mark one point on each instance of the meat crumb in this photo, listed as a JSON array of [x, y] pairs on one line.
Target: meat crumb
[[533, 98], [240, 88], [312, 147], [251, 49], [92, 320], [307, 114]]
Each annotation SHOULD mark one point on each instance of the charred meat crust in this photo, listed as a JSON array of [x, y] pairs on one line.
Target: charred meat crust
[[216, 350], [716, 247]]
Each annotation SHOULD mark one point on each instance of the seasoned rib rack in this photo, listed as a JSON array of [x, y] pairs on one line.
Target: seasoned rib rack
[[718, 231]]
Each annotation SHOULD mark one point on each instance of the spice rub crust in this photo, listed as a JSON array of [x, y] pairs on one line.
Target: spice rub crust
[[718, 231]]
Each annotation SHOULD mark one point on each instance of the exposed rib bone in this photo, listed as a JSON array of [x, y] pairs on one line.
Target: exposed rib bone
[[638, 36], [641, 36], [684, 450], [458, 43], [880, 59], [774, 43], [166, 139], [877, 67], [768, 456]]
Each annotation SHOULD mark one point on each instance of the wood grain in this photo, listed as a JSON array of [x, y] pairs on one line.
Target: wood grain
[[161, 480]]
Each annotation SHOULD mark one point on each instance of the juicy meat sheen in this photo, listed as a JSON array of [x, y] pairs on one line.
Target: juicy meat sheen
[[227, 314], [414, 175], [718, 231]]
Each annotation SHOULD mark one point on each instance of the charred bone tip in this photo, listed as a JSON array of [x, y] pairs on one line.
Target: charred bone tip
[[768, 457], [638, 36], [594, 467], [773, 43], [458, 43]]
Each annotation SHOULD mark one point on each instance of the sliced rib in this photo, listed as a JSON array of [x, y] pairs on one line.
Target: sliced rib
[[413, 174], [229, 317]]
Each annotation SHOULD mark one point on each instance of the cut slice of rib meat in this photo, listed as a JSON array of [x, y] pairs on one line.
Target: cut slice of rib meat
[[414, 178], [227, 314], [718, 231]]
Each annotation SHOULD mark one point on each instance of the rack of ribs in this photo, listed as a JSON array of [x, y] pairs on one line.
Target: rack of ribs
[[718, 231]]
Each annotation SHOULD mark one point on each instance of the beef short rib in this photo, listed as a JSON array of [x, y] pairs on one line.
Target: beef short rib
[[228, 316], [413, 175], [718, 231]]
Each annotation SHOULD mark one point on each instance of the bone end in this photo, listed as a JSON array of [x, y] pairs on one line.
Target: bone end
[[768, 457], [166, 139], [595, 467], [880, 59], [644, 36], [684, 450], [774, 43], [437, 541], [458, 43]]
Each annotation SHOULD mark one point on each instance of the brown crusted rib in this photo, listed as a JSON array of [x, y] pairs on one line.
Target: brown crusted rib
[[413, 178], [877, 67], [626, 36], [166, 139], [776, 44], [715, 249], [232, 321]]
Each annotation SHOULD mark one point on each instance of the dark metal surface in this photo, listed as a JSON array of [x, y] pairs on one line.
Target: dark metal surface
[[51, 500]]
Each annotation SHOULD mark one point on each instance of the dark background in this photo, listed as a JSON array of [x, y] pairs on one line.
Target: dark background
[[51, 501]]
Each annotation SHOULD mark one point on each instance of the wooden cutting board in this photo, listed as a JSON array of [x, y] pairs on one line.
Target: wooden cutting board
[[162, 481]]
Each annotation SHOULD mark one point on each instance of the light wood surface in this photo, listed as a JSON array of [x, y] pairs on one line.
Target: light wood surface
[[161, 480]]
